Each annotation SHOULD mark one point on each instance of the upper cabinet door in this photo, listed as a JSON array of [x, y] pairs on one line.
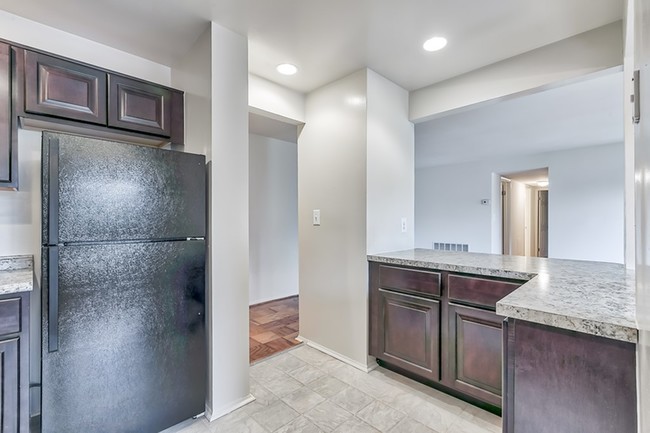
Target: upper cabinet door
[[60, 88], [6, 153], [139, 106]]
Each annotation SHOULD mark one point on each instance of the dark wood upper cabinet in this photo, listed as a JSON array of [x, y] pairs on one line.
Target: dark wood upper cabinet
[[61, 94], [8, 155], [61, 88], [139, 106]]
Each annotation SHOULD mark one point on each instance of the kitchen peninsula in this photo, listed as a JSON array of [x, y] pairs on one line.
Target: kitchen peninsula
[[16, 284], [550, 341]]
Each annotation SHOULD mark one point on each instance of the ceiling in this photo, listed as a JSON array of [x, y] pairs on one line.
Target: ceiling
[[585, 113], [330, 39]]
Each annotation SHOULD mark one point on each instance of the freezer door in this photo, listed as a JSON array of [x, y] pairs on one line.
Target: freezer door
[[96, 191], [129, 328]]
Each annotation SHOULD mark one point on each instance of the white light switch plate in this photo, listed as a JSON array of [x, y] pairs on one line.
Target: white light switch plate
[[316, 217]]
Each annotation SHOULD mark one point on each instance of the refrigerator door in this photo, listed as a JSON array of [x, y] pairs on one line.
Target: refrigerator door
[[95, 190], [129, 349]]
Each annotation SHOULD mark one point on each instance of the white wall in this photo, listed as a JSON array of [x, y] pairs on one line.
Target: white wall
[[228, 224], [193, 74], [332, 177], [586, 193], [26, 32], [273, 219], [591, 51], [20, 211], [390, 165], [355, 164], [266, 97]]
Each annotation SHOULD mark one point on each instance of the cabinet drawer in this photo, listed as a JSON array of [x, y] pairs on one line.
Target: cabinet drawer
[[409, 280], [65, 89], [478, 291], [9, 316], [139, 106]]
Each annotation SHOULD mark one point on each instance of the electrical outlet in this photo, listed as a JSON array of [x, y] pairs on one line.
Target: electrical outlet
[[403, 224]]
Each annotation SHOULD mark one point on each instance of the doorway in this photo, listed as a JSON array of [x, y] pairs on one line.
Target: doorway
[[524, 213], [273, 236]]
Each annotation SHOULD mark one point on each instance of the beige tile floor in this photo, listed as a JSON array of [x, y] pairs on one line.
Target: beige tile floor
[[305, 390]]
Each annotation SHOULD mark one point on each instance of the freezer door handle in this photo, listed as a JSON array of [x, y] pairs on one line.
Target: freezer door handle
[[53, 300]]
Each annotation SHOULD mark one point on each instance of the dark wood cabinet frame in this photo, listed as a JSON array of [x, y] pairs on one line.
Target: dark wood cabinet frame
[[557, 380]]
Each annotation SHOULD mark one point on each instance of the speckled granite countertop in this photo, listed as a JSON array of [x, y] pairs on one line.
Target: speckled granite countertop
[[16, 274], [591, 297]]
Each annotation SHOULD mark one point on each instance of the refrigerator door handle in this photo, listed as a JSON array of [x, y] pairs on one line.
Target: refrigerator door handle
[[53, 192], [53, 300]]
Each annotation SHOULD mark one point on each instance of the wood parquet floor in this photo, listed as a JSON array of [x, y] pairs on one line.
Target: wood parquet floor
[[273, 327]]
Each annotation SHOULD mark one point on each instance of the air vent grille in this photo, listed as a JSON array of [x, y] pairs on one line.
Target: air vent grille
[[446, 246]]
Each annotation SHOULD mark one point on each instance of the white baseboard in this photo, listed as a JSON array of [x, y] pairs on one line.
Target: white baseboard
[[343, 358], [225, 410]]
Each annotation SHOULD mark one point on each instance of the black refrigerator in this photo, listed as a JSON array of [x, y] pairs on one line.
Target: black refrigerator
[[123, 317]]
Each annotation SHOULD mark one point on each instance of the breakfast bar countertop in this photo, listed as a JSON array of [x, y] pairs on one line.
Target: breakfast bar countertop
[[591, 297], [16, 274]]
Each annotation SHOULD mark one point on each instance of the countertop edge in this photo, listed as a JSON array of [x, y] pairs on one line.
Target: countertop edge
[[469, 269], [587, 326], [590, 326], [16, 274]]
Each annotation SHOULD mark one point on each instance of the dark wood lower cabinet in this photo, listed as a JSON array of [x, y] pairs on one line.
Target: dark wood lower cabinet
[[475, 366], [411, 329], [567, 381], [9, 385], [14, 363], [440, 327]]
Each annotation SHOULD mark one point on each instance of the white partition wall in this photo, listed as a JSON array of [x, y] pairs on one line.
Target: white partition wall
[[355, 165]]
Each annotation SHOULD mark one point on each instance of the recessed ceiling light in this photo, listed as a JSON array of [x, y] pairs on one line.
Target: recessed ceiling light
[[286, 69], [542, 183], [434, 44]]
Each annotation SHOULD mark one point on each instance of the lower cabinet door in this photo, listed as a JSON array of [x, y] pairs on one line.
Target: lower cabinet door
[[411, 333], [9, 385], [475, 353]]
